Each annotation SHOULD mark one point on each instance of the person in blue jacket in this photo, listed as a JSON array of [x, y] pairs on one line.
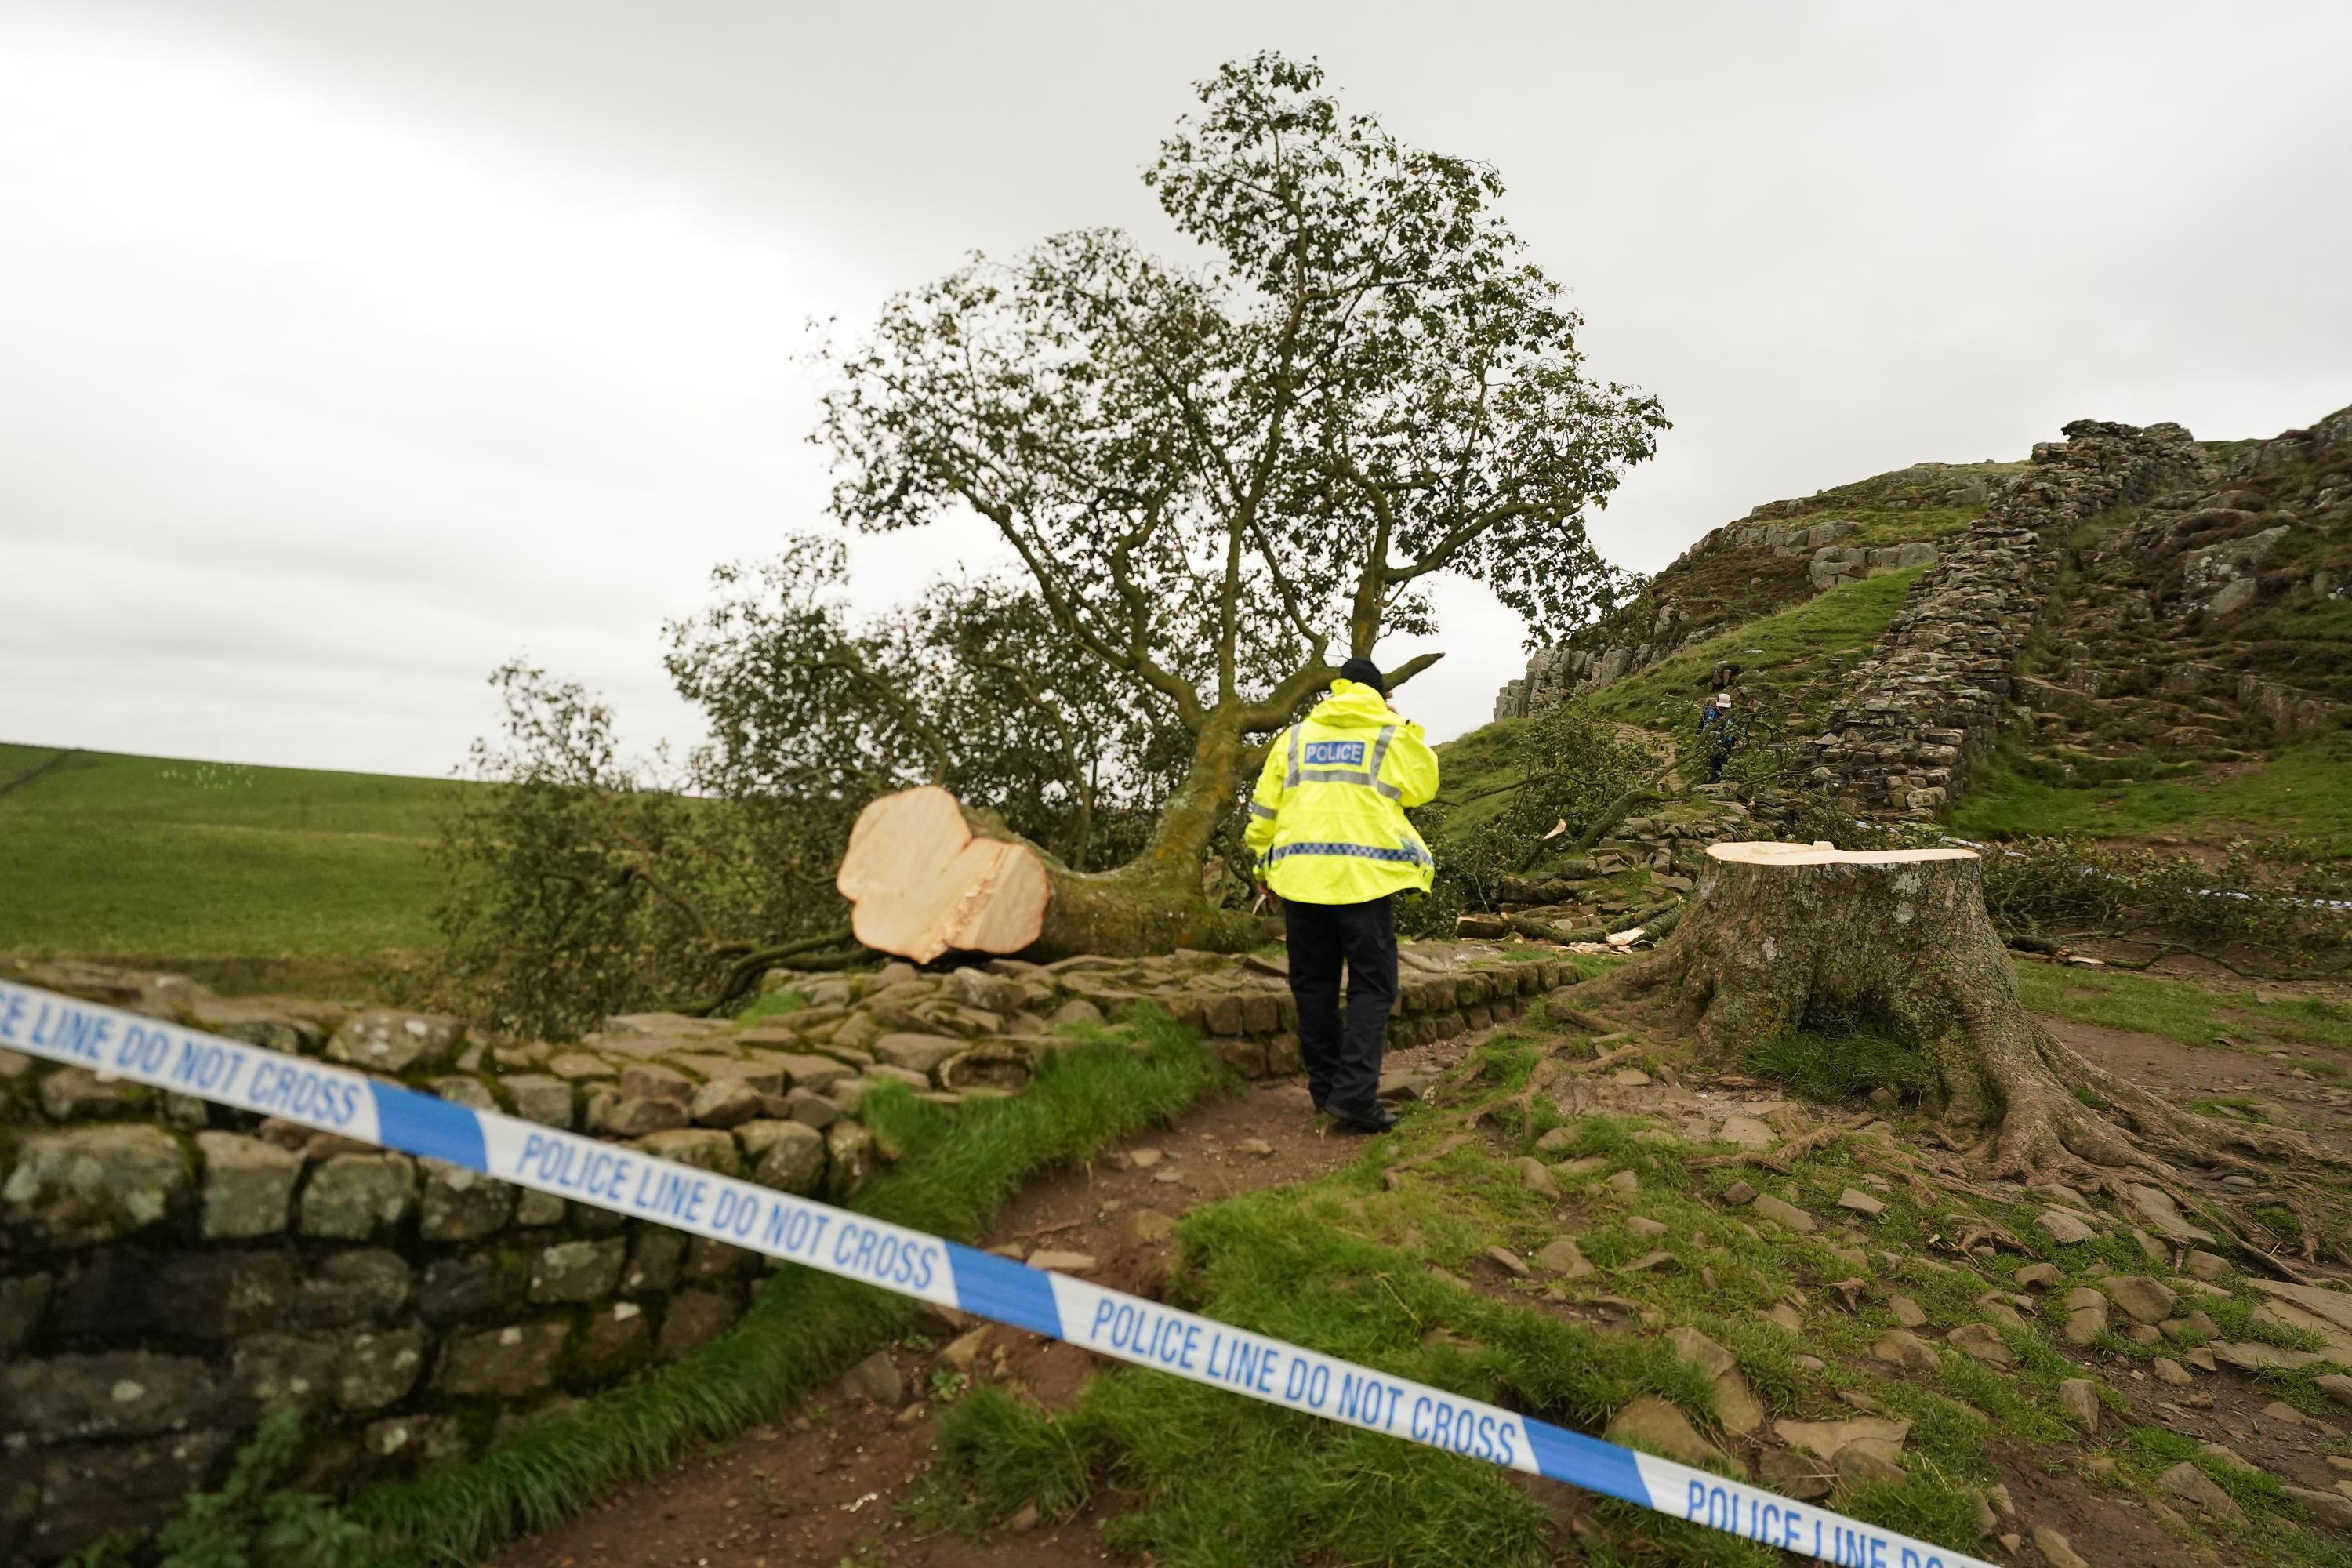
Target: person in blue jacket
[[1718, 732]]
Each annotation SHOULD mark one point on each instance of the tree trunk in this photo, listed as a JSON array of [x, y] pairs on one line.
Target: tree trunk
[[925, 875], [1778, 937]]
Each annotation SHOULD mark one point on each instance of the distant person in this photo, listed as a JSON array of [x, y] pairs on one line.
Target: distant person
[[1328, 829], [1718, 733]]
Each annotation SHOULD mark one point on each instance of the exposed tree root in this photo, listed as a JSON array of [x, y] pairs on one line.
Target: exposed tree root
[[1777, 938], [1392, 1176]]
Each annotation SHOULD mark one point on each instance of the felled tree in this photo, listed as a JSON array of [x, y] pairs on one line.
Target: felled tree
[[969, 687], [1778, 937], [1220, 480], [582, 885]]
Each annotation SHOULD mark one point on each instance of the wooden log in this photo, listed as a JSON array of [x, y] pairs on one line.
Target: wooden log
[[926, 876]]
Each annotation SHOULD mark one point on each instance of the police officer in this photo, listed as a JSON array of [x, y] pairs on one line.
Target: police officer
[[1328, 829]]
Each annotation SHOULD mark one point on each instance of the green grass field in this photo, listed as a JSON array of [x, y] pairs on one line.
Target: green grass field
[[2304, 789], [146, 856]]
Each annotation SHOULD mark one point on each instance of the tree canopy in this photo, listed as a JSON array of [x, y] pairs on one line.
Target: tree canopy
[[1221, 478], [1214, 481]]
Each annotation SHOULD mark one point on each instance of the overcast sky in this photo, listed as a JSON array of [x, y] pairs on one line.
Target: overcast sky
[[347, 349]]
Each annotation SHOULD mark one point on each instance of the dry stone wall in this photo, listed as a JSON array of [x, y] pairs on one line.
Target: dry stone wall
[[171, 1271], [1925, 708]]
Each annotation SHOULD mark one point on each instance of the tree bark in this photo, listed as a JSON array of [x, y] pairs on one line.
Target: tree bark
[[1778, 937], [926, 876]]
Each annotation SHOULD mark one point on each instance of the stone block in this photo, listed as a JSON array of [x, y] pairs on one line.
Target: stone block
[[379, 1370], [473, 1285], [502, 1363], [765, 1077], [614, 1339], [632, 1116], [577, 1270], [460, 1204], [110, 1394], [692, 1319], [595, 1221], [541, 1098], [24, 1298], [707, 1260], [1221, 1013], [704, 1147], [656, 1254], [651, 1080], [801, 1070], [1245, 1057], [277, 1372], [810, 1109], [88, 1493], [352, 1197], [182, 1297], [87, 1185], [248, 1186], [411, 1445], [850, 1154], [916, 1053], [460, 1088], [388, 1040], [1260, 1012], [77, 1094], [534, 1209], [367, 1285], [2147, 1301], [725, 1102], [579, 1067], [786, 1155]]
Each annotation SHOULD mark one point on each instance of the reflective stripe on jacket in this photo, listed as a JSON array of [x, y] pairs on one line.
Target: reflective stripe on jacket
[[1327, 822]]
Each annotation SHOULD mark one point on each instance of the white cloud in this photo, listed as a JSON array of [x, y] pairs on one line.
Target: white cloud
[[346, 350]]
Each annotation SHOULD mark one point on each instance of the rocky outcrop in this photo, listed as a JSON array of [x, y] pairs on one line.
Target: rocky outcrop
[[1555, 674], [1835, 567], [171, 1271], [1925, 709]]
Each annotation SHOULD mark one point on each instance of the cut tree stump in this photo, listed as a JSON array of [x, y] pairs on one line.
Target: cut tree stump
[[926, 876], [1780, 937]]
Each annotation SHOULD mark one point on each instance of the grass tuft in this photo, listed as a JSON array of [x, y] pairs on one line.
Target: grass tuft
[[1826, 1066]]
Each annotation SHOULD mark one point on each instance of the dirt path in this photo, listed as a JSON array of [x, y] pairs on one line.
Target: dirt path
[[2184, 1074], [824, 1486]]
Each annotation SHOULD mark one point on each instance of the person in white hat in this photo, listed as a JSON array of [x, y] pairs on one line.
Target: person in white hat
[[1717, 734]]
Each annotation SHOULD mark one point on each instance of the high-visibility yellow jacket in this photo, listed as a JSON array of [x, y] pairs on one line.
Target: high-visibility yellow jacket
[[1327, 822]]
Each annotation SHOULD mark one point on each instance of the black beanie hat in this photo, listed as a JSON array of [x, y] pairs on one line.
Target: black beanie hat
[[1364, 672]]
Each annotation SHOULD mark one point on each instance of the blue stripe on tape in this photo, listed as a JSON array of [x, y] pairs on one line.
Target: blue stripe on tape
[[1008, 1292], [1587, 1462], [421, 1124]]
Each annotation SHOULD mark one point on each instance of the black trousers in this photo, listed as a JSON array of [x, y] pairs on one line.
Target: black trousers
[[1343, 1062]]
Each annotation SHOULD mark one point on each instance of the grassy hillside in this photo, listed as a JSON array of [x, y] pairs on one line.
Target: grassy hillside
[[152, 858], [2302, 790], [1792, 666]]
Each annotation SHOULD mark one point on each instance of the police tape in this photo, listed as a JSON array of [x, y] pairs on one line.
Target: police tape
[[797, 1230]]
